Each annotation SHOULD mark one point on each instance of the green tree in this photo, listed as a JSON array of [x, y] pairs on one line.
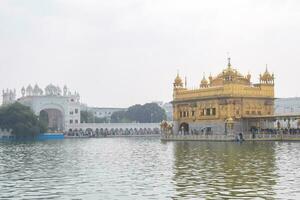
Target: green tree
[[101, 119], [136, 113], [153, 113], [147, 113], [44, 118], [21, 120], [120, 117]]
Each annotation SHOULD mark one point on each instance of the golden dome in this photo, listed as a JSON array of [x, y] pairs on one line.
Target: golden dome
[[178, 81], [266, 75], [229, 75], [204, 81], [229, 71]]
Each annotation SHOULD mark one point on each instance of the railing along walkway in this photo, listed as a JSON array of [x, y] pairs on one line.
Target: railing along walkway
[[223, 137], [199, 137]]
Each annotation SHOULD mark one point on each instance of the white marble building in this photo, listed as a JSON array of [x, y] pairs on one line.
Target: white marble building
[[61, 106]]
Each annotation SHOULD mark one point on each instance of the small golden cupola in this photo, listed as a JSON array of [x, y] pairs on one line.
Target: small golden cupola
[[267, 78], [178, 82], [204, 82]]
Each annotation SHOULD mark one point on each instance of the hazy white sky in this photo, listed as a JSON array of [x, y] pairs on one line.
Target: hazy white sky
[[123, 52]]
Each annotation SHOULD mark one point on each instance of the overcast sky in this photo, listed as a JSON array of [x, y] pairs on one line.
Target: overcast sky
[[121, 52]]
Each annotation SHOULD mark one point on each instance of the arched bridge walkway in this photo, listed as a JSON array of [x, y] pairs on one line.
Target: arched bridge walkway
[[113, 129]]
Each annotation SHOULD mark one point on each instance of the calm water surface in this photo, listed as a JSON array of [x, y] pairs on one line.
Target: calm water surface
[[146, 168]]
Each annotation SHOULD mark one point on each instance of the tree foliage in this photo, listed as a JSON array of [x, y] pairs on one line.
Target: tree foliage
[[147, 113], [120, 117], [86, 116], [44, 118], [21, 120]]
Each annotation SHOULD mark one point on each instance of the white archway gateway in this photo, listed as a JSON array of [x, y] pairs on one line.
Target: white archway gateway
[[55, 116], [62, 109]]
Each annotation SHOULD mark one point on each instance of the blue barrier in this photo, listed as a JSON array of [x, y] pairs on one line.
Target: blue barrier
[[50, 136], [44, 136]]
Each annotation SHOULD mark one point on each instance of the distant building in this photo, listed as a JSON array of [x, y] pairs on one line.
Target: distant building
[[102, 112], [287, 105]]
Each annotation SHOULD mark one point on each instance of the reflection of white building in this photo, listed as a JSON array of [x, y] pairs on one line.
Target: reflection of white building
[[61, 107]]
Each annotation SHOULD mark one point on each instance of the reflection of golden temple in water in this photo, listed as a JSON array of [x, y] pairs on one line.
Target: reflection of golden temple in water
[[222, 101], [216, 170]]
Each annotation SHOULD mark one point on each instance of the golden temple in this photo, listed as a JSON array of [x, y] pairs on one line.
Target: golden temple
[[222, 102]]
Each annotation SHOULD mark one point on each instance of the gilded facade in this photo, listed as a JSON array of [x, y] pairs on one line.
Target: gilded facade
[[228, 98]]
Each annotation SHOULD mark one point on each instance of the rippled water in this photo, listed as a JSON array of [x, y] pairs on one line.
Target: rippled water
[[146, 168]]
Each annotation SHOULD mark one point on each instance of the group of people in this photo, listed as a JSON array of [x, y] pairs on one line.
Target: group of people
[[279, 131], [196, 132]]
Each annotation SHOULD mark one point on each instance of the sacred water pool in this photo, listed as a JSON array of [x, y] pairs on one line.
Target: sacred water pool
[[146, 168]]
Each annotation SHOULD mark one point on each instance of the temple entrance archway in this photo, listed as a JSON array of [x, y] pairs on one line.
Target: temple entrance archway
[[184, 128], [54, 118]]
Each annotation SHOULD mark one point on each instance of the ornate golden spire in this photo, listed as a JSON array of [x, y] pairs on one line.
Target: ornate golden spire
[[267, 69], [267, 78], [229, 64], [178, 81], [267, 74]]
